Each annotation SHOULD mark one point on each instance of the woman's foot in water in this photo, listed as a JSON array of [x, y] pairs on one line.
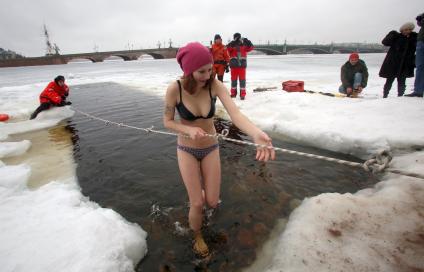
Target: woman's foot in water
[[199, 245]]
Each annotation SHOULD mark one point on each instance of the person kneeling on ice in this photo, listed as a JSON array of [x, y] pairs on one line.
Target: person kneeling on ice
[[194, 97], [53, 95], [354, 76]]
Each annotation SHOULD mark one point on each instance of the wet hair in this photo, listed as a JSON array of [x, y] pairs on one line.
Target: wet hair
[[189, 83]]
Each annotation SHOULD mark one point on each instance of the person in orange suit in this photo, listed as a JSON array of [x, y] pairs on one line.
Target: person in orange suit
[[220, 58], [53, 95]]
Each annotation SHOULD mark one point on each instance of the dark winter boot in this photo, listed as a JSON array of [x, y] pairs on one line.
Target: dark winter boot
[[233, 92], [242, 94]]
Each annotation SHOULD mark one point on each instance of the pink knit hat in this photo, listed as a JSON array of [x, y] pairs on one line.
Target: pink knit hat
[[193, 56]]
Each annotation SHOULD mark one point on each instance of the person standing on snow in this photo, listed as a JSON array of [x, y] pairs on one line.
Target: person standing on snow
[[400, 60], [238, 49], [354, 76], [220, 57], [53, 95], [419, 61]]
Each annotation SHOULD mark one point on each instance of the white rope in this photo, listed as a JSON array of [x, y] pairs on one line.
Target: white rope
[[376, 164]]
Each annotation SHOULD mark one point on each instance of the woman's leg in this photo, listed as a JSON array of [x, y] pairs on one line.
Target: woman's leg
[[401, 85], [211, 173], [387, 86], [190, 172]]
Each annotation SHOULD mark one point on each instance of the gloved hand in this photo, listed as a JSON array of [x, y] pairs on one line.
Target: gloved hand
[[247, 42], [227, 68], [68, 103]]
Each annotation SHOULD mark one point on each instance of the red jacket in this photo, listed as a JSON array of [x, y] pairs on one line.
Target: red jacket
[[238, 52], [220, 54], [53, 93]]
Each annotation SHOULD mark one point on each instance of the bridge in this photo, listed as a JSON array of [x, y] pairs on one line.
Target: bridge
[[283, 49], [126, 55], [166, 53]]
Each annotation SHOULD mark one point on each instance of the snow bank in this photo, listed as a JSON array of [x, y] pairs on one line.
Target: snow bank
[[378, 229], [56, 228], [44, 120], [353, 126], [9, 149]]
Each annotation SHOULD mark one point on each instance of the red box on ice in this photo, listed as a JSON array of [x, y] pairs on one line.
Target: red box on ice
[[293, 86]]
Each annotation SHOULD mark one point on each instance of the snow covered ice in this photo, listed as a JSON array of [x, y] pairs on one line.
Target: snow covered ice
[[54, 227]]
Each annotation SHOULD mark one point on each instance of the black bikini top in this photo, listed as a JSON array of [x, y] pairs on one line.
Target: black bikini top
[[186, 114]]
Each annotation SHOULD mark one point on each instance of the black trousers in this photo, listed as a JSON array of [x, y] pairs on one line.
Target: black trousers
[[400, 82]]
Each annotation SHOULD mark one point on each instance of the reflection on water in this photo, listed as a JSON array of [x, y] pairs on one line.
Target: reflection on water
[[136, 174], [50, 155]]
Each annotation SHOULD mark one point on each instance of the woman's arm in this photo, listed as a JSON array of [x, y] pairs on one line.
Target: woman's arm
[[169, 114], [390, 38], [244, 124]]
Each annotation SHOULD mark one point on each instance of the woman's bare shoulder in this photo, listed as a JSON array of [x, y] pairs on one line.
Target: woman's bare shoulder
[[172, 89]]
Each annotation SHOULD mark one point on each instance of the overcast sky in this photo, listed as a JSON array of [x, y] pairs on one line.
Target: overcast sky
[[78, 25]]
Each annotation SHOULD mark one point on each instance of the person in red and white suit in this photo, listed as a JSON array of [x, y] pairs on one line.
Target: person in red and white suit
[[238, 49]]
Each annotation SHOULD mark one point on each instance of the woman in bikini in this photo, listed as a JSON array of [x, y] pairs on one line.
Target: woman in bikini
[[194, 97]]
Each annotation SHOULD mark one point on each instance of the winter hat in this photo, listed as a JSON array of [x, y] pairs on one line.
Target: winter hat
[[237, 36], [59, 78], [193, 56], [420, 20], [217, 36], [406, 26], [354, 56]]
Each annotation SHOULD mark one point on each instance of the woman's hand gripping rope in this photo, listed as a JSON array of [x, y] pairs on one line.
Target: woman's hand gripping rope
[[263, 143], [265, 151]]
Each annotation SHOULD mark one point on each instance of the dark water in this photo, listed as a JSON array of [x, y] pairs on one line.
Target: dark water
[[136, 174]]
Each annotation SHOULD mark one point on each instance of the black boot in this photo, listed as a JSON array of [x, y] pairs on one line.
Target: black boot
[[414, 95], [33, 115]]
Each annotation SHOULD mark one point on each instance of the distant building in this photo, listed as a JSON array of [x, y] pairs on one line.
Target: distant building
[[9, 54]]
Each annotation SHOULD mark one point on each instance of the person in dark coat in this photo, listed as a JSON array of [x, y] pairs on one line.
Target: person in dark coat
[[419, 60], [354, 76], [400, 60]]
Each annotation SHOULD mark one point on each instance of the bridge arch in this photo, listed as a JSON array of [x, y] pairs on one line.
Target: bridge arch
[[308, 51], [92, 59], [155, 55], [346, 50], [73, 60], [269, 51]]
